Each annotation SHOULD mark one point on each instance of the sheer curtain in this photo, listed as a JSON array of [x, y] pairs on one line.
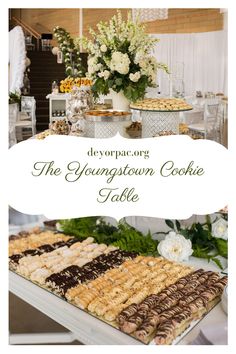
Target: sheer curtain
[[204, 56], [17, 58]]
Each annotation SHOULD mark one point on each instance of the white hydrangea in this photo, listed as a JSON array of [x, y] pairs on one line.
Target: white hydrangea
[[135, 77], [103, 48], [120, 63], [93, 65], [220, 229], [105, 74], [175, 247]]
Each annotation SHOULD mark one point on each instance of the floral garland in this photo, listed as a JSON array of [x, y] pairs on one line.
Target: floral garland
[[203, 240], [208, 240], [120, 58], [71, 53]]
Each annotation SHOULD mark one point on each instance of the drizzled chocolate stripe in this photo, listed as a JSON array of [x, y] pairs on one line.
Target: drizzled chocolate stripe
[[150, 324], [133, 322], [150, 302], [14, 259], [171, 300], [153, 300], [197, 304], [213, 278], [165, 333], [187, 299], [126, 313], [222, 283], [170, 313], [171, 307], [73, 275]]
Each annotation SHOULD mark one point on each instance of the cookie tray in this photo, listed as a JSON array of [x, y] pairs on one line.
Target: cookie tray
[[87, 328]]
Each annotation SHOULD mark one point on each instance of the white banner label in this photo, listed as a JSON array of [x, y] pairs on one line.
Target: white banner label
[[167, 177]]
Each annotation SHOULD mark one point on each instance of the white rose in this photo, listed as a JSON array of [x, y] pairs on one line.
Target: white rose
[[103, 48], [220, 229], [175, 247], [135, 77]]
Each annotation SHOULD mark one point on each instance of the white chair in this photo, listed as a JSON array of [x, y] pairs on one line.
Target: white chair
[[222, 120], [27, 117], [13, 117], [208, 127]]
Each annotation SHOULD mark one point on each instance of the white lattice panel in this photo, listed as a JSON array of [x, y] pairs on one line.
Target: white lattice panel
[[103, 129], [155, 122]]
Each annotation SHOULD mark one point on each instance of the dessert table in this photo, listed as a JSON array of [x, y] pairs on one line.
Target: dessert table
[[86, 328]]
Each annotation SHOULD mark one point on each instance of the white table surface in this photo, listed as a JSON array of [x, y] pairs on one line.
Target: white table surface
[[90, 330]]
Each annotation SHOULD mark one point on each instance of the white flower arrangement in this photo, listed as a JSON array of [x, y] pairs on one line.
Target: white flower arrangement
[[122, 49], [175, 247], [220, 229]]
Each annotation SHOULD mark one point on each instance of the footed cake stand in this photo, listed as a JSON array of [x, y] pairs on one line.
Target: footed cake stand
[[105, 127], [155, 122]]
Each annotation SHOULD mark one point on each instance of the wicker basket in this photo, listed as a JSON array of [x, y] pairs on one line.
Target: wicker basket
[[134, 130]]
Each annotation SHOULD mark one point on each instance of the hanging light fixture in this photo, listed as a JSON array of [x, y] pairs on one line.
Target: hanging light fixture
[[148, 15]]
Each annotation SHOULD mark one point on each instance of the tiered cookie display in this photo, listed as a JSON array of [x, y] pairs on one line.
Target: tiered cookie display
[[105, 123], [160, 116]]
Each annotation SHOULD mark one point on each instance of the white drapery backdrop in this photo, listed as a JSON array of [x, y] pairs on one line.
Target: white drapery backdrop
[[204, 56], [17, 58]]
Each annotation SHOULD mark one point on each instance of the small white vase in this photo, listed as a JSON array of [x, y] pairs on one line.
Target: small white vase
[[119, 101]]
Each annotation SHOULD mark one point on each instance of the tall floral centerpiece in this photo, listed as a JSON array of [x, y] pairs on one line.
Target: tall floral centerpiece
[[120, 60]]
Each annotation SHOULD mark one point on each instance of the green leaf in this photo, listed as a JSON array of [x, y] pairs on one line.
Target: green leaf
[[178, 226], [185, 233], [110, 83], [118, 81], [170, 224], [217, 262], [222, 247], [124, 236], [200, 252], [208, 222]]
